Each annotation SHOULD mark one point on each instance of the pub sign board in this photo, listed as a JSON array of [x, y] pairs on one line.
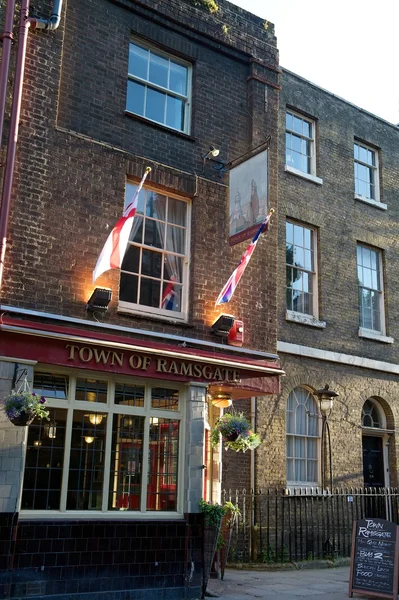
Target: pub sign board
[[374, 559]]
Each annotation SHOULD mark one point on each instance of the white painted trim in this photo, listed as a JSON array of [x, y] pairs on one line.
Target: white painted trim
[[374, 335], [372, 202], [132, 347], [20, 361], [303, 319], [304, 175], [337, 357]]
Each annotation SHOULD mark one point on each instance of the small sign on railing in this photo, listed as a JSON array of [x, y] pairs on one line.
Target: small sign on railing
[[374, 559]]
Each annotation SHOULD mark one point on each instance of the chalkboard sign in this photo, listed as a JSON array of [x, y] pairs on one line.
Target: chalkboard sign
[[374, 559]]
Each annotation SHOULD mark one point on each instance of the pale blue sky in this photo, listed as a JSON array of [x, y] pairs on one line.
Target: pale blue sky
[[349, 47]]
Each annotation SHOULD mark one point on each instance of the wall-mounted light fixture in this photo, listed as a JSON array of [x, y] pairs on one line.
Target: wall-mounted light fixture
[[214, 152], [99, 300], [222, 325], [326, 398], [211, 155], [221, 400]]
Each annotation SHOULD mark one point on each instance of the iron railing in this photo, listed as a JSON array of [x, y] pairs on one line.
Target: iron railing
[[303, 524]]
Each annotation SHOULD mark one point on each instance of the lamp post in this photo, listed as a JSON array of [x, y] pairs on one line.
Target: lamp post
[[326, 399]]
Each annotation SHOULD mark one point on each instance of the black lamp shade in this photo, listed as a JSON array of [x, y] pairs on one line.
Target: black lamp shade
[[99, 299]]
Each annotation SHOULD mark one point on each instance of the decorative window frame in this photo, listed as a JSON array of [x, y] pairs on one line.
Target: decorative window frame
[[306, 174], [297, 316], [374, 334], [305, 484], [187, 98], [160, 313], [374, 169], [70, 404]]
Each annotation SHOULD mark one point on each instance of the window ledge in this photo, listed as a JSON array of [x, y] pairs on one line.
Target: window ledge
[[181, 134], [303, 319], [125, 309], [374, 335], [304, 175], [372, 202]]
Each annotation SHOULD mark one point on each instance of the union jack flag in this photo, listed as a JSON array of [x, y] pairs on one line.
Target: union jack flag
[[229, 288], [168, 296]]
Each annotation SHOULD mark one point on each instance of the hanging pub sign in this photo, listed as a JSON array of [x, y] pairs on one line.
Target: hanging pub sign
[[248, 195], [374, 559]]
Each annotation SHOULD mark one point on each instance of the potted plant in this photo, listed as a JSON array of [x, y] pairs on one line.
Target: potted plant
[[236, 433], [231, 516], [213, 515], [22, 407]]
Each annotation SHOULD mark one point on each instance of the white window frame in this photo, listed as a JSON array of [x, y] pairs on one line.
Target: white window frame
[[164, 314], [148, 84], [374, 170], [292, 315], [303, 484], [366, 331], [311, 172], [110, 408]]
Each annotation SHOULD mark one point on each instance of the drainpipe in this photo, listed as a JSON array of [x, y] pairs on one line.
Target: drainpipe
[[25, 23], [7, 39]]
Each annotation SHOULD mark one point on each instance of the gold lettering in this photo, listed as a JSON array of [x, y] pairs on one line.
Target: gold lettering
[[146, 363], [161, 365], [218, 374], [72, 351], [173, 368], [236, 375], [135, 361], [100, 355], [186, 369], [206, 372], [85, 354], [197, 371], [118, 358]]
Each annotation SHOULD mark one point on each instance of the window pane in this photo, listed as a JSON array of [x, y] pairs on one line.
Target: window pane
[[163, 465], [44, 462], [154, 234], [155, 106], [312, 471], [288, 120], [138, 61], [289, 231], [126, 462], [50, 386], [135, 98], [159, 68], [156, 206], [297, 124], [91, 390], [128, 288], [86, 467], [175, 239], [150, 292], [290, 470], [129, 395], [178, 78], [130, 190], [175, 113], [151, 263], [165, 399], [131, 259], [136, 233], [177, 211]]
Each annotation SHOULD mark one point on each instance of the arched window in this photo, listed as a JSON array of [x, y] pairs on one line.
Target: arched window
[[303, 438], [373, 415]]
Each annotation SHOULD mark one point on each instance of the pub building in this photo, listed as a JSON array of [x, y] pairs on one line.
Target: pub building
[[102, 498]]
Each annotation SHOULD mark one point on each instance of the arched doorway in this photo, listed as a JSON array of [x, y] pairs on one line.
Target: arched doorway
[[375, 445]]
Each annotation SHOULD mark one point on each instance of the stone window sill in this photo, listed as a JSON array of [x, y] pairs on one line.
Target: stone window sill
[[372, 202], [306, 176], [374, 335], [304, 319]]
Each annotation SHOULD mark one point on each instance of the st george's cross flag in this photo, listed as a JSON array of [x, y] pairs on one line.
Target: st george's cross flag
[[112, 254], [229, 288]]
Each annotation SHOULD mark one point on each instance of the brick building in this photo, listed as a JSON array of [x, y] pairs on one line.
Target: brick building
[[103, 498], [337, 321]]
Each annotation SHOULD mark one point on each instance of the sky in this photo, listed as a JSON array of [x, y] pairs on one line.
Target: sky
[[348, 47]]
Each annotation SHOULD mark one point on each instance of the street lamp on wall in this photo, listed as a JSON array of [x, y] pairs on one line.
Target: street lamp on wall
[[326, 399]]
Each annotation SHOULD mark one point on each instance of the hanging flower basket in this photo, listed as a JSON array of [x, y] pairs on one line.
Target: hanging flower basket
[[236, 433], [22, 407]]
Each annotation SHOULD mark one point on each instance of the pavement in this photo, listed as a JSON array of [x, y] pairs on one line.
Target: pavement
[[315, 584]]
